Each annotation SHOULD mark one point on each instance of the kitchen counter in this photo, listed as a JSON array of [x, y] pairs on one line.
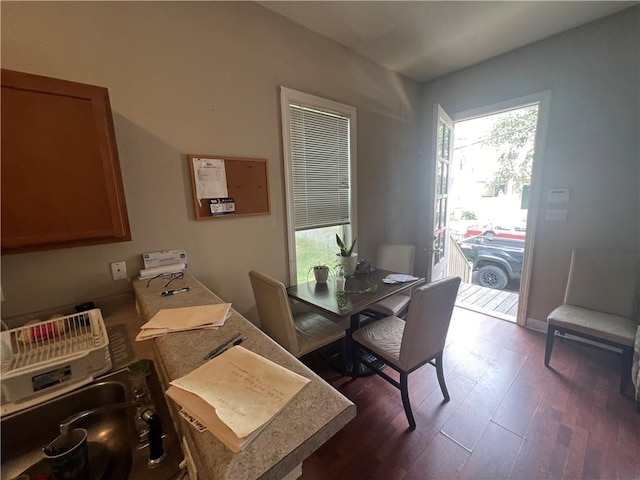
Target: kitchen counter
[[312, 417]]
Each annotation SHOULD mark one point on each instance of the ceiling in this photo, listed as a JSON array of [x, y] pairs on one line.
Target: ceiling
[[423, 40]]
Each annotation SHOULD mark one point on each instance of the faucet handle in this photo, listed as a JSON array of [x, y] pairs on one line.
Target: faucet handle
[[156, 451]]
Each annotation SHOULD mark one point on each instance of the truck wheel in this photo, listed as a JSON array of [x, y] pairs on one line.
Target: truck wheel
[[493, 277]]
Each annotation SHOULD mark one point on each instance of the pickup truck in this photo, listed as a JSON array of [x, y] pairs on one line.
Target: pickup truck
[[496, 260]]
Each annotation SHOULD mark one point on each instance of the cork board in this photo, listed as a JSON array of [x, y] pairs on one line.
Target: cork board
[[225, 187]]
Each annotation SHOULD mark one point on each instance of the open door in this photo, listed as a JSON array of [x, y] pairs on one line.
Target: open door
[[442, 153]]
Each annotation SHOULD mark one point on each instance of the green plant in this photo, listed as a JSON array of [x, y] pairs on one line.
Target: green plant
[[343, 303], [344, 251], [320, 271], [468, 215]]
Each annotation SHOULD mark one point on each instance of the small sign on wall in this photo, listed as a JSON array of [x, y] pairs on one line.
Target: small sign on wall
[[222, 206], [556, 215]]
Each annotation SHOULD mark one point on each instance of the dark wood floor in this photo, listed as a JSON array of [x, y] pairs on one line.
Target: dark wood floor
[[509, 416]]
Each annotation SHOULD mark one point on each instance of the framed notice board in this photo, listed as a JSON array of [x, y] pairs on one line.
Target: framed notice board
[[226, 187]]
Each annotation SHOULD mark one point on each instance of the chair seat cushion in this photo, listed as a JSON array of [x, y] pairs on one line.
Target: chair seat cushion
[[383, 338], [590, 322], [315, 331], [391, 306]]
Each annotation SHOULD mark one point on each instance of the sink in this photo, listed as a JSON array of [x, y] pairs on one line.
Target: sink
[[111, 433]]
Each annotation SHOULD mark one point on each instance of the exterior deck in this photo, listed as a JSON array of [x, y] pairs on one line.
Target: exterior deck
[[501, 304]]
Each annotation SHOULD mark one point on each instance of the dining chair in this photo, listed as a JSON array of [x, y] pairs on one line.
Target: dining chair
[[396, 258], [301, 333], [407, 345], [600, 304]]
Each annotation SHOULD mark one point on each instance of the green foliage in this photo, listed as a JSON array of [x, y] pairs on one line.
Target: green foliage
[[343, 303], [514, 135], [344, 251], [467, 215], [315, 247]]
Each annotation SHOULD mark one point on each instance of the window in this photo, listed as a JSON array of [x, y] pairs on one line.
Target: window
[[319, 153]]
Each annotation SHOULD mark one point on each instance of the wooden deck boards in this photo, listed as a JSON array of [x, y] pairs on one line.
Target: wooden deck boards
[[502, 304]]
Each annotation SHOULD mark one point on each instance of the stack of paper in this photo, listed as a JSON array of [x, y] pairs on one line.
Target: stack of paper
[[185, 318], [236, 395], [398, 278]]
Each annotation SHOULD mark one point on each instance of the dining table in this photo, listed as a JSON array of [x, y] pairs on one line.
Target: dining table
[[362, 290]]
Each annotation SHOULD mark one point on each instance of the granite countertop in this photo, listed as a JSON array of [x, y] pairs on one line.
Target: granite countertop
[[312, 417]]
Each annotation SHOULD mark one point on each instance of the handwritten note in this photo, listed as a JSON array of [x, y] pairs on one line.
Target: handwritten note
[[245, 389]]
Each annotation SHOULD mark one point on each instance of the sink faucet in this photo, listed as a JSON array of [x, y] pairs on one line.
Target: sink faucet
[[65, 425], [156, 451]]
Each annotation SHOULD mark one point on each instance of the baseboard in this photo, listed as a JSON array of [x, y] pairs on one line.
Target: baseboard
[[535, 324]]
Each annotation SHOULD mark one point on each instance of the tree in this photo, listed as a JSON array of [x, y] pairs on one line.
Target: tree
[[514, 136]]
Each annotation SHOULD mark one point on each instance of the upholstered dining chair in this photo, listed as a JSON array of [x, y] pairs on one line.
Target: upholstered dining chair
[[299, 334], [407, 345], [397, 258], [600, 303]]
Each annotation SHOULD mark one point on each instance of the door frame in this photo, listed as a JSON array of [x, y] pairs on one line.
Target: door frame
[[442, 267], [543, 100]]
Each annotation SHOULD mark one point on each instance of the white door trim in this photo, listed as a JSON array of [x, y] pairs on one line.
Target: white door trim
[[543, 100]]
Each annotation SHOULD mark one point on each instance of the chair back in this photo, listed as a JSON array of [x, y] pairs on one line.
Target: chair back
[[604, 281], [396, 257], [274, 310], [428, 320]]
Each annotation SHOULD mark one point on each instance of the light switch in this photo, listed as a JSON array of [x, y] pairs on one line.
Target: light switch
[[556, 215]]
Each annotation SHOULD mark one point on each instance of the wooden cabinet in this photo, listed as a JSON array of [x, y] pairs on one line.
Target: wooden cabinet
[[60, 175]]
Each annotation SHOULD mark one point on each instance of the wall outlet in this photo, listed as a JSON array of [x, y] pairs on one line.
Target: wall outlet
[[118, 270]]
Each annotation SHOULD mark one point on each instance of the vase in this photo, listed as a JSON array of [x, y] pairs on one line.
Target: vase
[[348, 263], [321, 274]]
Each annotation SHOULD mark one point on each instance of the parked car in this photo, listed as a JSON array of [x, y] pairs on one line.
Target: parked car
[[496, 260], [497, 231]]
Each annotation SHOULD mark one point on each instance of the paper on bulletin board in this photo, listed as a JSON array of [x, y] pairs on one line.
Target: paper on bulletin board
[[211, 178]]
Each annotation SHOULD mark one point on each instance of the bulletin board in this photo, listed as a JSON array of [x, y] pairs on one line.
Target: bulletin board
[[226, 187]]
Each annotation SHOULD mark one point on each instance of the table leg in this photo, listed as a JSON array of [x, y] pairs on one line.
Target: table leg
[[350, 351]]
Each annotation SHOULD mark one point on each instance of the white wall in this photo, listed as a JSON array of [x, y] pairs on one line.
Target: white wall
[[203, 77], [194, 77], [592, 146]]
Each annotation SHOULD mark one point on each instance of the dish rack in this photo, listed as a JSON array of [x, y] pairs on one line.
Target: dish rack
[[47, 359]]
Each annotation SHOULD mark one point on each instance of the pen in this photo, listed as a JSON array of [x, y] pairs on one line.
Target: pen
[[237, 342], [173, 292], [217, 350]]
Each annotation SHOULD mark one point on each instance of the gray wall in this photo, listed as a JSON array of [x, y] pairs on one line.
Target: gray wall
[[203, 78], [592, 143]]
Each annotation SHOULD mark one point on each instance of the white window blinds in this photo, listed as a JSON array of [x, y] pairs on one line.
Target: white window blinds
[[320, 167]]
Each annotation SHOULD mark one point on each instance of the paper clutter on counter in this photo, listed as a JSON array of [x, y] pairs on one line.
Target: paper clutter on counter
[[184, 318]]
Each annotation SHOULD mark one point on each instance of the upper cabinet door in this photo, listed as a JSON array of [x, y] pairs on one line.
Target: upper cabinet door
[[61, 180]]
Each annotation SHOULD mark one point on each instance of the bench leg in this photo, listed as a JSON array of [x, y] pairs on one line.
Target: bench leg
[[551, 334], [625, 375]]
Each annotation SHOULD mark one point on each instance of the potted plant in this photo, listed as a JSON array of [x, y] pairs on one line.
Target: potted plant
[[347, 257], [321, 273]]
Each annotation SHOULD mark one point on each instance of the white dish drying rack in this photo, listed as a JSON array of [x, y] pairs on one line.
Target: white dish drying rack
[[46, 359]]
